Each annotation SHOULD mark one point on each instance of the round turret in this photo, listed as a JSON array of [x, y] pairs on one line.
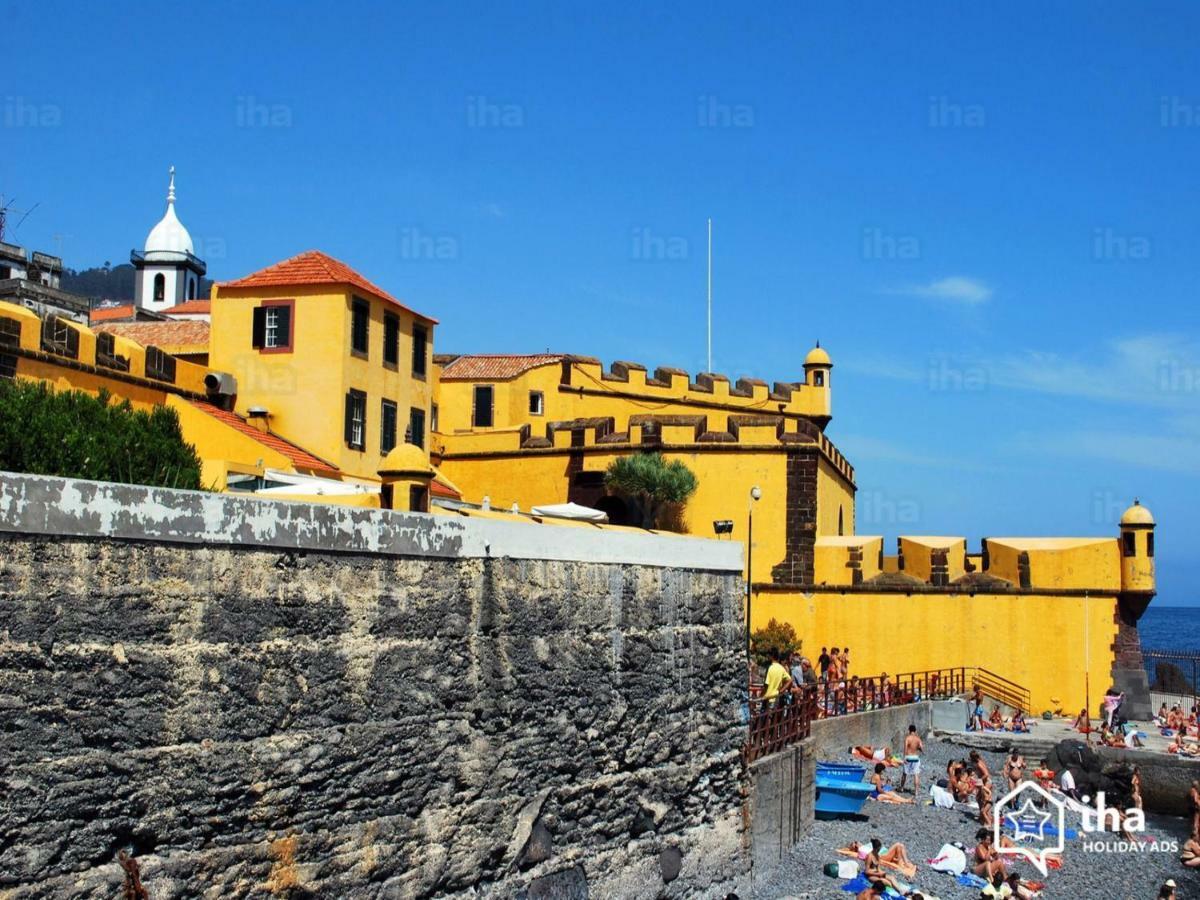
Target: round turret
[[406, 474], [1137, 550], [818, 357]]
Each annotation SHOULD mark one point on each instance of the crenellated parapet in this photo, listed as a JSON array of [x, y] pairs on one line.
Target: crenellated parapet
[[584, 375], [53, 343], [652, 431]]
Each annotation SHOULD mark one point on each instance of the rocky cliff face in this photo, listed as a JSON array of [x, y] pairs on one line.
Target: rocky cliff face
[[257, 722]]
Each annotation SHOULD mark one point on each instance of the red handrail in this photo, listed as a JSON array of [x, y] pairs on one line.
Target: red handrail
[[782, 721]]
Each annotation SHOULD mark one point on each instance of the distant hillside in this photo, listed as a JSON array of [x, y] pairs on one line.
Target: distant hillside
[[111, 283]]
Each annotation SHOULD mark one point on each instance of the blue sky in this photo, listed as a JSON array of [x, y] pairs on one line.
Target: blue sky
[[987, 215]]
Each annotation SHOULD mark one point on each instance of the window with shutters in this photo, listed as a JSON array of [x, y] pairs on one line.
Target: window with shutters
[[106, 353], [360, 327], [8, 365], [10, 332], [273, 329], [420, 350], [416, 427], [387, 426], [356, 419], [481, 415], [59, 338], [159, 365], [391, 340]]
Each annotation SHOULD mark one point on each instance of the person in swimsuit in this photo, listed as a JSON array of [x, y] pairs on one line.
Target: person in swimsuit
[[1014, 769], [981, 767], [1135, 785], [986, 861], [1018, 722], [983, 797], [883, 791], [913, 747], [1194, 807], [877, 889], [1190, 854], [895, 856]]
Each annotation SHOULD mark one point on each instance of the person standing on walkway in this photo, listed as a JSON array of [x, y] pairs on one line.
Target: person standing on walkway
[[823, 662]]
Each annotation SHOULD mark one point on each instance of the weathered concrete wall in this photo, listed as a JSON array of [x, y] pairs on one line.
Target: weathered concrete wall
[[880, 728], [342, 722], [779, 804]]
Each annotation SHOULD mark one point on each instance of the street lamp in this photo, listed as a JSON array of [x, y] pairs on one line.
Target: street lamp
[[755, 496]]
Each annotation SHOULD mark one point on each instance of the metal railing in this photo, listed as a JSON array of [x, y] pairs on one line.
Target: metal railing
[[1174, 676], [778, 723], [999, 688]]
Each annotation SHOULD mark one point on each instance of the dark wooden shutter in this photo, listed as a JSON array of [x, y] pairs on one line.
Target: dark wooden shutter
[[350, 418], [259, 331], [284, 323]]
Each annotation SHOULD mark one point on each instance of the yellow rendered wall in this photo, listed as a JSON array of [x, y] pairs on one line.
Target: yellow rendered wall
[[305, 390], [1036, 641], [918, 555], [218, 445], [1059, 563], [833, 495], [725, 480]]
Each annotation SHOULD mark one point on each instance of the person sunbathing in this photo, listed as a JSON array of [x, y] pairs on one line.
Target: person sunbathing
[[875, 856], [883, 791], [996, 720], [1023, 890], [1161, 717], [1108, 738], [870, 754], [872, 891], [1083, 722], [986, 861], [1135, 786], [1190, 854], [1019, 724], [1014, 769]]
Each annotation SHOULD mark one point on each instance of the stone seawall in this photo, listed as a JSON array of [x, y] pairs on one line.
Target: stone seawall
[[254, 717]]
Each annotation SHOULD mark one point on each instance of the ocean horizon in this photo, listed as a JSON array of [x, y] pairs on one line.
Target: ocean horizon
[[1170, 628]]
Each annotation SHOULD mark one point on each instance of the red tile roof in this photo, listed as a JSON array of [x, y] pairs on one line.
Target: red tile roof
[[315, 267], [112, 313], [299, 457], [439, 489], [495, 366], [189, 333], [189, 308]]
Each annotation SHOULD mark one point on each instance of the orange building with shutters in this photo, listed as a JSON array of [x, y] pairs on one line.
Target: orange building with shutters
[[328, 358]]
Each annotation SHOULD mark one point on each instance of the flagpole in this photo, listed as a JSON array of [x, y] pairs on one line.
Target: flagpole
[[710, 365]]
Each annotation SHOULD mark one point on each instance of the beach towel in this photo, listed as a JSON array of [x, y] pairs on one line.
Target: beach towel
[[949, 859], [971, 881], [860, 884], [941, 797]]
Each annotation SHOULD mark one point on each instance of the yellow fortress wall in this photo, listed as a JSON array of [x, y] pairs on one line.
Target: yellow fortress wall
[[1039, 611]]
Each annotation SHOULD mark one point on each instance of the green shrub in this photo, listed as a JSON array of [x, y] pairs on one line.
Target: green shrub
[[777, 635], [72, 434]]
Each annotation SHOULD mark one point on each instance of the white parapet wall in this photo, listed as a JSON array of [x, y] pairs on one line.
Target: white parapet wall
[[32, 504]]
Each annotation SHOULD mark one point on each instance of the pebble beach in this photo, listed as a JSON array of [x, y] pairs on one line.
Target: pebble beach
[[924, 828]]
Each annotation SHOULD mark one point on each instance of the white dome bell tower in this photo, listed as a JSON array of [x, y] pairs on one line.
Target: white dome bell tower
[[168, 272]]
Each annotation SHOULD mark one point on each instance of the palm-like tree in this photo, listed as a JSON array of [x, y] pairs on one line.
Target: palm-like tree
[[651, 483]]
